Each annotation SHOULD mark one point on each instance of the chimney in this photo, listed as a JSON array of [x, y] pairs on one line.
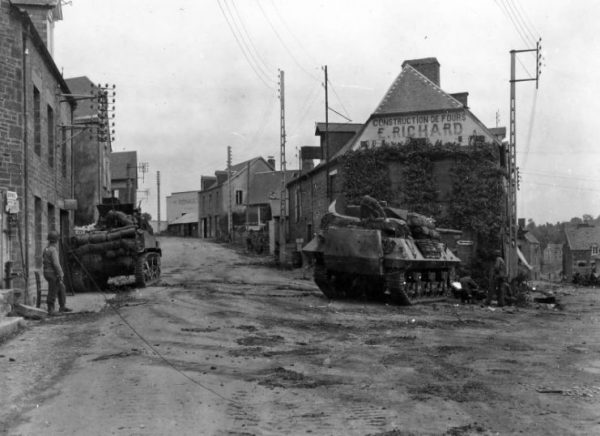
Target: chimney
[[221, 177], [429, 67], [43, 14], [271, 162], [206, 182], [462, 97], [307, 156], [521, 222]]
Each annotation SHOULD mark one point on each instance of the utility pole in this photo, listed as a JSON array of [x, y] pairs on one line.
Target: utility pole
[[511, 245], [229, 209], [327, 157], [282, 220], [158, 195]]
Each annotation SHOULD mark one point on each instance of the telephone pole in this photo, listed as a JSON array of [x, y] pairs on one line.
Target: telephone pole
[[511, 245], [327, 157], [282, 219], [158, 198], [229, 209]]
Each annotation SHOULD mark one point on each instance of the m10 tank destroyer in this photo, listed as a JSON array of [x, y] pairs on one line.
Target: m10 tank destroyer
[[376, 252], [120, 243]]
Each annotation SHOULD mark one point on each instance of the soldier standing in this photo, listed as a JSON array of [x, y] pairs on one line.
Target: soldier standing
[[498, 280], [53, 274]]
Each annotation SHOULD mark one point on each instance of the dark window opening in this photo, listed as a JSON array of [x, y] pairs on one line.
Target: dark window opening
[[37, 122], [51, 149]]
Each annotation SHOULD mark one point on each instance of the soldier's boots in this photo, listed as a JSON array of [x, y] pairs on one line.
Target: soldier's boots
[[65, 309], [50, 308]]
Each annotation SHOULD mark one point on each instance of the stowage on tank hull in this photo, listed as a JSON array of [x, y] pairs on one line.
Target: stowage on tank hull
[[354, 261]]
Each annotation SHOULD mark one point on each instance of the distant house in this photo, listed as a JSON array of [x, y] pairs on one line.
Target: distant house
[[181, 203], [124, 176], [185, 225], [581, 249], [552, 263], [532, 252]]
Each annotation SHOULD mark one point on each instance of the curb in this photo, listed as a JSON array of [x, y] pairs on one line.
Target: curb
[[9, 325]]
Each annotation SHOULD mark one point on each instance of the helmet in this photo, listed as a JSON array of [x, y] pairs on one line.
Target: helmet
[[52, 236]]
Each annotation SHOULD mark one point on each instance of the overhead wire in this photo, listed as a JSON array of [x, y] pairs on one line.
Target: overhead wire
[[561, 186], [504, 10], [529, 22], [560, 176], [516, 16], [339, 100], [242, 48], [298, 64], [257, 55], [534, 35]]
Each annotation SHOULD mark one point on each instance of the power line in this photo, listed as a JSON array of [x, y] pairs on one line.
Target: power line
[[339, 100], [528, 21], [561, 176], [284, 44], [504, 10], [561, 186], [518, 20], [293, 35], [517, 8], [258, 56], [242, 48]]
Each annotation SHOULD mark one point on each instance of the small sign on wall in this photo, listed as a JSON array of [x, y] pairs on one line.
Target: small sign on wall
[[12, 202]]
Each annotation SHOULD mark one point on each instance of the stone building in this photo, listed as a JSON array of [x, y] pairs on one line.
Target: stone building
[[35, 138], [214, 200], [124, 176], [581, 250], [414, 113], [91, 153]]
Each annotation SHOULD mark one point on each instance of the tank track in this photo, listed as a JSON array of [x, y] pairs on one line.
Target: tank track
[[147, 269]]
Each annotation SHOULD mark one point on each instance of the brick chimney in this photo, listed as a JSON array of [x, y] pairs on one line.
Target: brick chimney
[[207, 182], [462, 97], [43, 14], [271, 162], [221, 177], [429, 67]]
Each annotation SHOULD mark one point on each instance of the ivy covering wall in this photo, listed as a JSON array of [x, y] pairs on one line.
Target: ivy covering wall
[[474, 200]]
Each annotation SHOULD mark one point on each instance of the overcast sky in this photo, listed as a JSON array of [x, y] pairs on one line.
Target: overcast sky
[[187, 87]]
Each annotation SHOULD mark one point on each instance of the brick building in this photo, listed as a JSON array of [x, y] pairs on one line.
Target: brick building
[[581, 250], [35, 138], [91, 154], [414, 111]]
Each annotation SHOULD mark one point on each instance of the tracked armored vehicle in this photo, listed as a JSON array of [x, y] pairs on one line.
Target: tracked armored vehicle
[[380, 253], [120, 243]]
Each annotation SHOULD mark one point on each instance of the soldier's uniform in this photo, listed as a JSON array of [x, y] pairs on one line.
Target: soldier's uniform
[[53, 274], [498, 281]]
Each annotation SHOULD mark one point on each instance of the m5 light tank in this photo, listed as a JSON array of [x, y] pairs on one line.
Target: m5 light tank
[[380, 253], [121, 243]]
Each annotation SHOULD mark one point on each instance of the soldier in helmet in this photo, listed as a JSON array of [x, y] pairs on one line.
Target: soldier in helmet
[[53, 274]]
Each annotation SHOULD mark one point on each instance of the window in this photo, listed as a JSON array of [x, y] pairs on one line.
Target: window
[[38, 231], [298, 201], [37, 122], [63, 150], [239, 197], [50, 126], [51, 217], [594, 249]]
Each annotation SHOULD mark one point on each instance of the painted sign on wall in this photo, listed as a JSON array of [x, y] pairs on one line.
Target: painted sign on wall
[[456, 127]]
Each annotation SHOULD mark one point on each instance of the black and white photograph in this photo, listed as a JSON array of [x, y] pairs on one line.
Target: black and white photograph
[[285, 217]]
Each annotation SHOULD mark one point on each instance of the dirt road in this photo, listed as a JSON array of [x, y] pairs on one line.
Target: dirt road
[[233, 346]]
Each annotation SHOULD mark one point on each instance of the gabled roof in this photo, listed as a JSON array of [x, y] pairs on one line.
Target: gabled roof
[[82, 85], [582, 237], [337, 127], [123, 165], [188, 218], [413, 92], [267, 185]]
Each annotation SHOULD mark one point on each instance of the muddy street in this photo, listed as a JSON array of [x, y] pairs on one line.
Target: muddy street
[[226, 344]]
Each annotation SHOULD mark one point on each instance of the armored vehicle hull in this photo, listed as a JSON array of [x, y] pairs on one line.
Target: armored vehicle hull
[[381, 257], [121, 243]]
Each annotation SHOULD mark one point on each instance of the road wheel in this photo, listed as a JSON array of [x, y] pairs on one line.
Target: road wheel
[[327, 282], [147, 269]]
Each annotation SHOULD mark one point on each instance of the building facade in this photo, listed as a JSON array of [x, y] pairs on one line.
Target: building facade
[[415, 114], [181, 203], [124, 176], [35, 139], [218, 194], [91, 153], [581, 250]]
